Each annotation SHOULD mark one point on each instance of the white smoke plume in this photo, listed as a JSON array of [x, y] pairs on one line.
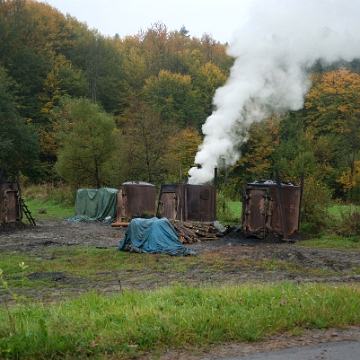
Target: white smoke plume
[[273, 50]]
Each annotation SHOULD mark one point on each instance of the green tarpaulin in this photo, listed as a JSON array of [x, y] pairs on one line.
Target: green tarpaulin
[[96, 205]]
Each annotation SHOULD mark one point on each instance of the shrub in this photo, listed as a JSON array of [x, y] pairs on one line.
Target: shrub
[[315, 202], [59, 193], [224, 215], [350, 224]]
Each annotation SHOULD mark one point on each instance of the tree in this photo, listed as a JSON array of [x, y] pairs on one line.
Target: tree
[[174, 97], [33, 34], [181, 153], [183, 31], [333, 106], [208, 78], [134, 66], [300, 151], [258, 150], [351, 182], [19, 145], [61, 80], [50, 55], [156, 48], [87, 136], [101, 60], [208, 44], [142, 146]]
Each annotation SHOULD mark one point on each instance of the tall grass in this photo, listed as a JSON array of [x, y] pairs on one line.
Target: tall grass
[[59, 194], [128, 324]]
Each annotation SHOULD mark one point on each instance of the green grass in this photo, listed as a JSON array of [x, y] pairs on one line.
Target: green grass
[[337, 210], [235, 207], [231, 215], [132, 322], [126, 325], [89, 265], [54, 210], [333, 242]]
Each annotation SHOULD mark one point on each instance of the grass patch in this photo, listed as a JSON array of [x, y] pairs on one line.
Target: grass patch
[[236, 208], [88, 265], [229, 212], [338, 210], [334, 242], [54, 210], [126, 325]]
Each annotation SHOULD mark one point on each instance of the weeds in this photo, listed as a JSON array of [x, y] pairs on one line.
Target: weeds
[[225, 212], [344, 233], [333, 241], [88, 268], [125, 325], [54, 193], [5, 283], [350, 222], [13, 295]]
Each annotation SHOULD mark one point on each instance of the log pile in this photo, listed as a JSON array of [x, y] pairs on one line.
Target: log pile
[[192, 232]]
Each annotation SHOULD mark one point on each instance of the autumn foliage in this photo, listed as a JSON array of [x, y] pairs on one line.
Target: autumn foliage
[[154, 91]]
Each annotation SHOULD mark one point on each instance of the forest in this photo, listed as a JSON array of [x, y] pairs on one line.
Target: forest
[[85, 110]]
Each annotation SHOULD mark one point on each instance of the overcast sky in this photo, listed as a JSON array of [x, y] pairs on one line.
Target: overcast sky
[[218, 18]]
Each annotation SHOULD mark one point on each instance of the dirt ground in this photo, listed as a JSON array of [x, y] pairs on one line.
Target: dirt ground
[[60, 233]]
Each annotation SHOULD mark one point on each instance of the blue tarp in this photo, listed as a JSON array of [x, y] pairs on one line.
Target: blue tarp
[[153, 236]]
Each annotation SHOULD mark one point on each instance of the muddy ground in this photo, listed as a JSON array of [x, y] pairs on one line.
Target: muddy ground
[[59, 233]]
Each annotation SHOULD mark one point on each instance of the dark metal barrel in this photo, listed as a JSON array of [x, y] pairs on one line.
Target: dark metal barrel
[[10, 200], [188, 202], [271, 207], [136, 199]]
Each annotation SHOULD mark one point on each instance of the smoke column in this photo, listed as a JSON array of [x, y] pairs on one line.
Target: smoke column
[[273, 50]]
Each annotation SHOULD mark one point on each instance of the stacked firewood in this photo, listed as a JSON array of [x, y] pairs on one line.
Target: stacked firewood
[[191, 232]]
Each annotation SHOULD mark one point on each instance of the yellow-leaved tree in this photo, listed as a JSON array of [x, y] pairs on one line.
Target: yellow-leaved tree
[[351, 180], [256, 153], [181, 154], [333, 107]]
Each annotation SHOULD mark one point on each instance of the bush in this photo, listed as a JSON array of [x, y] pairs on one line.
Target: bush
[[316, 199], [59, 193], [224, 215], [350, 224]]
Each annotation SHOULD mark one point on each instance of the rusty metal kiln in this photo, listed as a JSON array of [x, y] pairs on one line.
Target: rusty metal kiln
[[271, 207], [10, 201], [135, 199], [187, 202]]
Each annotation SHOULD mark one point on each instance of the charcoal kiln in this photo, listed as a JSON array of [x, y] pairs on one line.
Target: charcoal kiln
[[187, 202], [135, 199], [271, 207], [10, 201]]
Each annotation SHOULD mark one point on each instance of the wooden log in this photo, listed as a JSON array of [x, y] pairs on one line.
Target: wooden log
[[188, 231], [206, 234], [188, 239], [193, 231], [182, 232], [118, 224], [189, 236]]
